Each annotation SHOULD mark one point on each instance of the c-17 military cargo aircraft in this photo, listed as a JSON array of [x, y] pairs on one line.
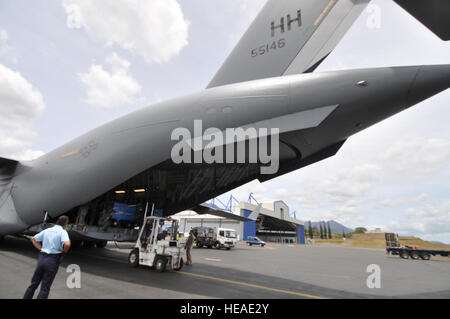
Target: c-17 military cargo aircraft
[[267, 82]]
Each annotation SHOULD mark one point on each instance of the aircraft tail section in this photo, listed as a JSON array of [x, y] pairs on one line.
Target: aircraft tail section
[[434, 14], [289, 37]]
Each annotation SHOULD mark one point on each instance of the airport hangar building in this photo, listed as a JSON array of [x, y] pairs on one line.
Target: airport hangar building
[[274, 224]]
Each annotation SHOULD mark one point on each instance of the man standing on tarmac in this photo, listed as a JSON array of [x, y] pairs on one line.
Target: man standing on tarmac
[[188, 247], [51, 243]]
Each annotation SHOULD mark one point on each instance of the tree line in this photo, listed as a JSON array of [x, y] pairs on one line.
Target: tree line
[[324, 231]]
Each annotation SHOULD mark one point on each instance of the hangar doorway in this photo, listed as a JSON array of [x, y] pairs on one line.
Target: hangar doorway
[[275, 230], [273, 224]]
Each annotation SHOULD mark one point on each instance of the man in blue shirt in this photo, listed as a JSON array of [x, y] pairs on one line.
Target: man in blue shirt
[[51, 243]]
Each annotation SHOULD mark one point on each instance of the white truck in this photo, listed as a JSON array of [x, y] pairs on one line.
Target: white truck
[[215, 237]]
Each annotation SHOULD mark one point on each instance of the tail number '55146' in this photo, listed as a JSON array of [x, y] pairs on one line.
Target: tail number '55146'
[[267, 48]]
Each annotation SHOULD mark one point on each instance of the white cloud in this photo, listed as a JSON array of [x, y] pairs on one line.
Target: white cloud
[[351, 183], [109, 89], [338, 195], [344, 187], [429, 220], [26, 155], [396, 202], [19, 104], [343, 214], [422, 155], [156, 30]]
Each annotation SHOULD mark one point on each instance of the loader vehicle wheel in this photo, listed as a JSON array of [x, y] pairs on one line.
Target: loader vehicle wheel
[[160, 263], [414, 255], [101, 244], [199, 244], [425, 256], [133, 258], [217, 245], [404, 254], [181, 265], [228, 248]]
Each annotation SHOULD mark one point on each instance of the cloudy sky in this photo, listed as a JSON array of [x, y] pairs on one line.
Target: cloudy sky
[[68, 66]]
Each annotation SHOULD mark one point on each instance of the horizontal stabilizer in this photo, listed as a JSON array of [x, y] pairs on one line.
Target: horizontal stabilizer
[[434, 14], [286, 123]]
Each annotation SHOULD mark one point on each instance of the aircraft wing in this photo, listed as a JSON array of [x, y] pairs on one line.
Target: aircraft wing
[[289, 37], [203, 209], [434, 14]]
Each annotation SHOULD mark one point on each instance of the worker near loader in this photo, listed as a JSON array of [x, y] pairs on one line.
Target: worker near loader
[[188, 247]]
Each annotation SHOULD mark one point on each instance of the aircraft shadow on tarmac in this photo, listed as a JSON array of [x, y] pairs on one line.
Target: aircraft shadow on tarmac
[[114, 266]]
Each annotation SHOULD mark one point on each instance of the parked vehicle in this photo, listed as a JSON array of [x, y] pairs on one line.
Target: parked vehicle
[[255, 241], [394, 247], [215, 237]]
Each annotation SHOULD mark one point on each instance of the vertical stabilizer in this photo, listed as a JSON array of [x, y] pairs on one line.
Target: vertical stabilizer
[[289, 37]]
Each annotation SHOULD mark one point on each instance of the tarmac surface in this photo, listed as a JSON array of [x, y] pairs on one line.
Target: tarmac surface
[[275, 271]]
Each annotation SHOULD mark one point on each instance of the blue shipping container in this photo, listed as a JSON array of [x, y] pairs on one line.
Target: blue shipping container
[[124, 212]]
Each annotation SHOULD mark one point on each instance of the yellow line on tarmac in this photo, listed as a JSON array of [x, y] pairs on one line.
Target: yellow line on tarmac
[[251, 285], [212, 259], [441, 259], [288, 292]]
